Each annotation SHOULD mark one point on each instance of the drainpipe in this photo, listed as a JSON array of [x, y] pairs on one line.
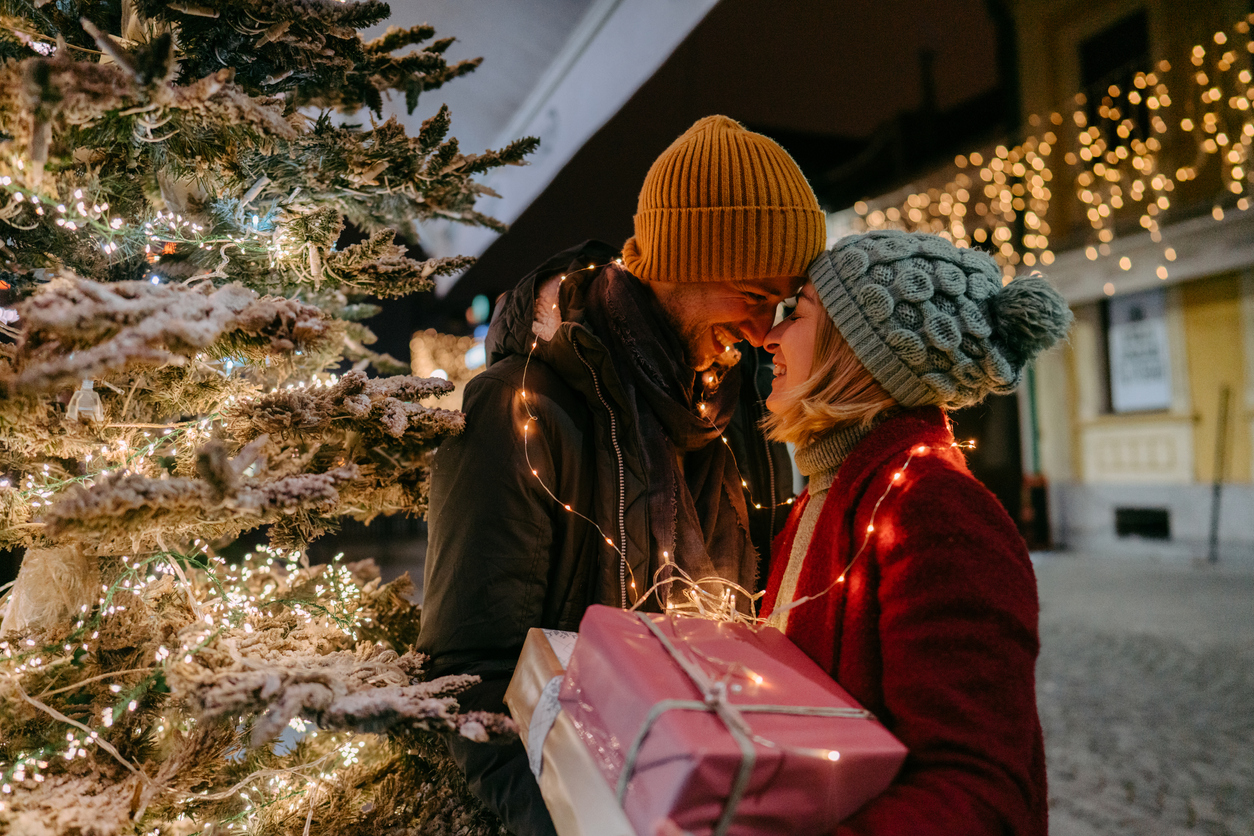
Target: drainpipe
[[1032, 466]]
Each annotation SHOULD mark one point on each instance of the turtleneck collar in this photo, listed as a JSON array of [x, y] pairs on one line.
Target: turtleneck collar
[[819, 460]]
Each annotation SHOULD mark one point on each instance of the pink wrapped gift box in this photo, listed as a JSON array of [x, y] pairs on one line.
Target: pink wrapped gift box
[[698, 712]]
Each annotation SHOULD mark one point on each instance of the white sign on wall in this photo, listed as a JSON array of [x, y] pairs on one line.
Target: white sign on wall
[[1140, 366]]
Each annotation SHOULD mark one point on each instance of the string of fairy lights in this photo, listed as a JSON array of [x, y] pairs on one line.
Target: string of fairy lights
[[1126, 156], [112, 456], [625, 571], [232, 604], [161, 235], [626, 577], [898, 481], [136, 446], [228, 601], [222, 599], [720, 601], [222, 596]]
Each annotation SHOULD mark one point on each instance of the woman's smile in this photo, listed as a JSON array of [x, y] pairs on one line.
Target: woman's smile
[[791, 343]]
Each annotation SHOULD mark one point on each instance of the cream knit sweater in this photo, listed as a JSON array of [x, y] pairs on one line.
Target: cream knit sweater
[[819, 461]]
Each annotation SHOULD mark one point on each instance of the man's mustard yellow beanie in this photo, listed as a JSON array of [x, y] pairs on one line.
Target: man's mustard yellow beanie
[[724, 204]]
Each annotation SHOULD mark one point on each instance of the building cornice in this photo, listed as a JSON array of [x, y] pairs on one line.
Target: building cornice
[[1203, 247]]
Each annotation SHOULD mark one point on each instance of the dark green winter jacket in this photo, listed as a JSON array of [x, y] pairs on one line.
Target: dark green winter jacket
[[504, 554]]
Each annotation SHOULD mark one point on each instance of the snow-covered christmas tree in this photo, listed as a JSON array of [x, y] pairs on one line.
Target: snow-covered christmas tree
[[172, 187]]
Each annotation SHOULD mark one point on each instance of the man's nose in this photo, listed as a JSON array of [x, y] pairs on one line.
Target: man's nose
[[755, 328]]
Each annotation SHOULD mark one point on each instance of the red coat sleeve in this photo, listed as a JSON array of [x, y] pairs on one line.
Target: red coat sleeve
[[958, 639]]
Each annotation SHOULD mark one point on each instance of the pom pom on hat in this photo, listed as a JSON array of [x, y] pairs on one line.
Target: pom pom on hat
[[932, 322], [1028, 316]]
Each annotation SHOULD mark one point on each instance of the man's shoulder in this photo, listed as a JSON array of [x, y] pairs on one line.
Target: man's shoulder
[[507, 371], [515, 371], [508, 377]]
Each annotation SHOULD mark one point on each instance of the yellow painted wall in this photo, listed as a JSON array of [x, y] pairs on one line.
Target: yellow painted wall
[[1213, 339], [1082, 389], [1050, 31]]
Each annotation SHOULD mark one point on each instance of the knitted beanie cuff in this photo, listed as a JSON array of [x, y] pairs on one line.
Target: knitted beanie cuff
[[724, 243], [881, 361]]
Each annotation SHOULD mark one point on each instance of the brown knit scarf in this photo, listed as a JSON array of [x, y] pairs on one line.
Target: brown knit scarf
[[698, 517]]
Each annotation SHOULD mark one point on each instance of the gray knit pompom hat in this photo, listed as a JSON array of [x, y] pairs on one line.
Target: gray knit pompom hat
[[931, 321]]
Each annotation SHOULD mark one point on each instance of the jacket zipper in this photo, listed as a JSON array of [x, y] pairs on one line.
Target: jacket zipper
[[622, 479]]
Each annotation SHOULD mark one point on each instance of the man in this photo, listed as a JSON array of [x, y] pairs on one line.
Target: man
[[594, 459]]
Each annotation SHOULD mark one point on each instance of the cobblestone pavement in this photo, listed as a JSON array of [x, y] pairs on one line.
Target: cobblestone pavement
[[1146, 693]]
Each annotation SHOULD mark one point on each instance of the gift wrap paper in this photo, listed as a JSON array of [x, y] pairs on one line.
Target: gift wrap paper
[[809, 773], [579, 800]]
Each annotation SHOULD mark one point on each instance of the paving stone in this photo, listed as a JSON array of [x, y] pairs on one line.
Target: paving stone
[[1147, 732]]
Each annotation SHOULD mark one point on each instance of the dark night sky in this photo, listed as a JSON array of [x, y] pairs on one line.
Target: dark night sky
[[824, 77], [819, 76]]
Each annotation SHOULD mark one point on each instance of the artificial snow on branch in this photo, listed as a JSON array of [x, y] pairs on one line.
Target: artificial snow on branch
[[184, 409], [74, 329]]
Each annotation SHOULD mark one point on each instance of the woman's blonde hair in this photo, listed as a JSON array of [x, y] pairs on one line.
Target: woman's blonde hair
[[839, 393]]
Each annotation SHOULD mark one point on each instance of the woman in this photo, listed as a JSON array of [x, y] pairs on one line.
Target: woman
[[898, 572]]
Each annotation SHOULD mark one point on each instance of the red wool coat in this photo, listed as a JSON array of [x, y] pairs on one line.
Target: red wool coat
[[934, 629]]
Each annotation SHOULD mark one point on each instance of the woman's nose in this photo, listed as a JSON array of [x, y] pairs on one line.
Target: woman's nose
[[771, 343]]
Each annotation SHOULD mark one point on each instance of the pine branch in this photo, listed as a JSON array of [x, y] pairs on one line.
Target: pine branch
[[371, 407], [74, 329], [170, 213]]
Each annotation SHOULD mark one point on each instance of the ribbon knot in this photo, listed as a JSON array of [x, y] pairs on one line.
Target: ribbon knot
[[714, 698]]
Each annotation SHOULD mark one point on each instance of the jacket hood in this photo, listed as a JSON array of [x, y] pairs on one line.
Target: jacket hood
[[514, 325]]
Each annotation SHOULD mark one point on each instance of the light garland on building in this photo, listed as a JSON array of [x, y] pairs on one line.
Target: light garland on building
[[1123, 165]]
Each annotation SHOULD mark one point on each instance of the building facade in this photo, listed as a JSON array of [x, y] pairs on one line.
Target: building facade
[[1148, 409], [1129, 186]]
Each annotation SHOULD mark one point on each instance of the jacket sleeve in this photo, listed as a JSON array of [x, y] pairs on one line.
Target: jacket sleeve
[[490, 533], [958, 638]]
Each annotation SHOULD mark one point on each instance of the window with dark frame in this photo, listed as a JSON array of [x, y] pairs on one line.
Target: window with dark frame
[[1109, 62], [1150, 523]]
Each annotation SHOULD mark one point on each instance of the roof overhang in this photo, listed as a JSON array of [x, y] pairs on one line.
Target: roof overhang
[[615, 48]]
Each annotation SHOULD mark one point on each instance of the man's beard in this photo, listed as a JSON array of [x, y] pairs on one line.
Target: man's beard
[[690, 337], [693, 339]]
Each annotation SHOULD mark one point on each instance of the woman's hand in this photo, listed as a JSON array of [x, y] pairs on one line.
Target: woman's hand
[[666, 827]]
